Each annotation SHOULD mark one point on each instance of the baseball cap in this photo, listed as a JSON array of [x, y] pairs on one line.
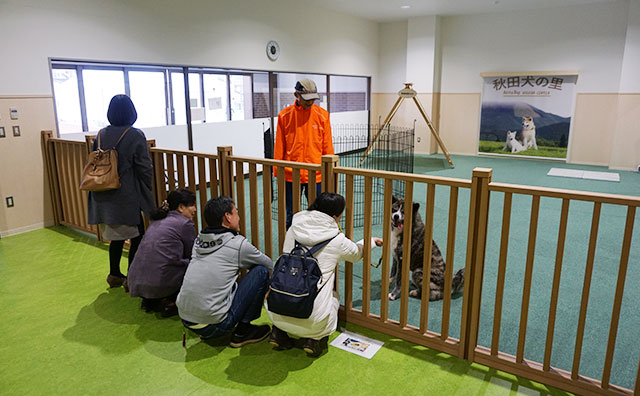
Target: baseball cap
[[307, 89]]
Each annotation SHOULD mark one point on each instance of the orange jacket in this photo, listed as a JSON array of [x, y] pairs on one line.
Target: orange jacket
[[302, 136]]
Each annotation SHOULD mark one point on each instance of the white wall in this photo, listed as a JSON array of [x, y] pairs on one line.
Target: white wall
[[199, 32], [630, 80], [421, 52], [588, 38], [392, 61]]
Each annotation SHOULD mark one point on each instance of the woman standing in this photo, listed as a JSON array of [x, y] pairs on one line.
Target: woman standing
[[117, 212], [309, 227], [158, 269]]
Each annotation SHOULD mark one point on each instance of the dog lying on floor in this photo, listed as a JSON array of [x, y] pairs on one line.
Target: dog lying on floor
[[436, 289]]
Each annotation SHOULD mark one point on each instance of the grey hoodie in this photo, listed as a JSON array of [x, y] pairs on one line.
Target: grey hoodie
[[210, 281]]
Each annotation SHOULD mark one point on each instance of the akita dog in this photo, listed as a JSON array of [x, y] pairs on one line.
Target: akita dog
[[436, 289], [529, 133], [512, 143]]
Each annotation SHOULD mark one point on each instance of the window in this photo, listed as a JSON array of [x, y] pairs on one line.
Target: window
[[65, 86], [241, 97], [215, 96], [83, 91], [147, 91], [195, 99], [99, 87], [348, 93], [260, 95], [177, 93]]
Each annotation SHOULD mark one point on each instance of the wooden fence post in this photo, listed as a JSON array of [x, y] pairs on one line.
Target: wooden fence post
[[52, 176], [226, 170], [474, 268], [329, 178]]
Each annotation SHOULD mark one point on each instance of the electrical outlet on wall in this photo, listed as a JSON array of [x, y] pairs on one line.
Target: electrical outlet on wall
[[16, 130], [9, 202]]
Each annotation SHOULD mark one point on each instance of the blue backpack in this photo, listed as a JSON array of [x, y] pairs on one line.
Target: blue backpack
[[293, 286]]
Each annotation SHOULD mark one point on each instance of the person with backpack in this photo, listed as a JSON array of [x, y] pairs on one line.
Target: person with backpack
[[211, 303], [117, 212], [309, 228], [163, 255]]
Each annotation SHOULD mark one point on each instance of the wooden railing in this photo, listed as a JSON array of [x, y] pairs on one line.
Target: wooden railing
[[381, 322], [64, 160], [210, 175], [543, 371]]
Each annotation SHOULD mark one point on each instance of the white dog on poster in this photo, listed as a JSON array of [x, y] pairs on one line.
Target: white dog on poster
[[529, 133], [512, 143]]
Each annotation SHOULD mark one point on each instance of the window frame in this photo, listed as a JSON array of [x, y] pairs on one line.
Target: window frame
[[170, 116]]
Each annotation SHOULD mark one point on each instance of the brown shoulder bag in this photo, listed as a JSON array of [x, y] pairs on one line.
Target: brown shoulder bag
[[101, 171]]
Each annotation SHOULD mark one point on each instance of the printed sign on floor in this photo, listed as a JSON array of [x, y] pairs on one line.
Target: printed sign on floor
[[358, 344]]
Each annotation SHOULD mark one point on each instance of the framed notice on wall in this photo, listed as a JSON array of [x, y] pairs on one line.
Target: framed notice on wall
[[527, 114]]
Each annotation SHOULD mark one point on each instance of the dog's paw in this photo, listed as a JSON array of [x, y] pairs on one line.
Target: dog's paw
[[414, 293]]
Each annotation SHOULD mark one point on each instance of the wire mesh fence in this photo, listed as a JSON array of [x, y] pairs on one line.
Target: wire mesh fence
[[392, 151]]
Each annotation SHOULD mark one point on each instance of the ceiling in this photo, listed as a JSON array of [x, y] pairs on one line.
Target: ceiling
[[389, 10]]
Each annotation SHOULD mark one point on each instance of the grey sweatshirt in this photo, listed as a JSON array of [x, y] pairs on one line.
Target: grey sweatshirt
[[210, 281]]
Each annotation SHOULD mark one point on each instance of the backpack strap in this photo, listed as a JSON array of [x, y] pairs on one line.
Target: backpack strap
[[320, 245], [121, 136], [99, 147], [116, 145]]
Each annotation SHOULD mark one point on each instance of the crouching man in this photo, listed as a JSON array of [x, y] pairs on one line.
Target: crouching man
[[211, 303]]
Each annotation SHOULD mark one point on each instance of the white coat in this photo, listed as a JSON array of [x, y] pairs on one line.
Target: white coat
[[310, 228]]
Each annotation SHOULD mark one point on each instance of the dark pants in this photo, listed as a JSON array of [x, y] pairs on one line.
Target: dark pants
[[304, 189], [115, 251], [246, 305]]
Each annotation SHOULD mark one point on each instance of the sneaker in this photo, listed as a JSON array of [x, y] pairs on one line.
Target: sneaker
[[255, 334], [280, 339], [125, 285], [150, 305], [115, 281], [312, 347], [169, 309]]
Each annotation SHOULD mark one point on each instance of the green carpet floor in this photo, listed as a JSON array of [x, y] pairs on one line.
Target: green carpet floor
[[65, 333]]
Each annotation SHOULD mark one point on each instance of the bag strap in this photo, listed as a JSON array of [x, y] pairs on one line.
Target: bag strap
[[121, 136], [320, 245], [99, 147], [116, 145]]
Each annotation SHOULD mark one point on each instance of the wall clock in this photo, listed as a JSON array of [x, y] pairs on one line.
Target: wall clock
[[273, 50]]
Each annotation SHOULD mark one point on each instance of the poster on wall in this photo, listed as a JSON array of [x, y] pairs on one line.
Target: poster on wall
[[527, 114]]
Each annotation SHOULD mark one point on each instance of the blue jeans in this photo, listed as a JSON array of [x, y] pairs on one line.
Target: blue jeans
[[245, 307], [304, 189]]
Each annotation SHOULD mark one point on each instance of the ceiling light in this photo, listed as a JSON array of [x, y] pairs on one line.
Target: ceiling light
[[405, 6]]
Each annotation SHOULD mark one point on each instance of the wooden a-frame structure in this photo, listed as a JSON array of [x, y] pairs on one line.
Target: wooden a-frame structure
[[407, 92]]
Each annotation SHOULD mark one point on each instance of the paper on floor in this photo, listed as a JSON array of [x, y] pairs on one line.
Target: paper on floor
[[358, 344], [581, 174]]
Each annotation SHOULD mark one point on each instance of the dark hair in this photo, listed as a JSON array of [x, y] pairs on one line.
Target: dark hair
[[121, 111], [215, 210], [174, 199], [328, 203]]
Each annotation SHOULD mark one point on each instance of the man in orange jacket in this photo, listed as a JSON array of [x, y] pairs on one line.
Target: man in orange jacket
[[303, 135]]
